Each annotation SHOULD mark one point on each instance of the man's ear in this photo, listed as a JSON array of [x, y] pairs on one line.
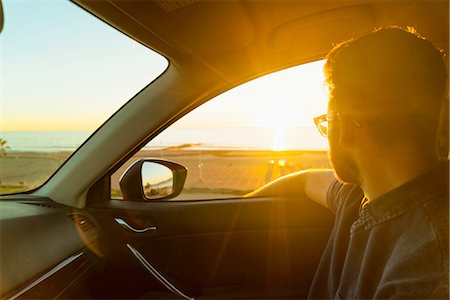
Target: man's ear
[[347, 131]]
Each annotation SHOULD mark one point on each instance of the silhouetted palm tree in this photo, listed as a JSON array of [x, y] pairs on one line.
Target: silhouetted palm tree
[[3, 147]]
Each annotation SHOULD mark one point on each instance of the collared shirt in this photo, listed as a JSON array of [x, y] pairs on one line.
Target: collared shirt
[[395, 246]]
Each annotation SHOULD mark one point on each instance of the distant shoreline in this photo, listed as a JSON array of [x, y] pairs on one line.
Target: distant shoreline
[[248, 138], [182, 149]]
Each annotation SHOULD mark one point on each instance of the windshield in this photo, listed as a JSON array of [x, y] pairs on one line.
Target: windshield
[[63, 73]]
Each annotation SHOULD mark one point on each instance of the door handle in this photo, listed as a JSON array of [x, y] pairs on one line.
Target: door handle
[[131, 229]]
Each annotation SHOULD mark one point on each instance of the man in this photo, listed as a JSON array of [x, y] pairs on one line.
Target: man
[[390, 238]]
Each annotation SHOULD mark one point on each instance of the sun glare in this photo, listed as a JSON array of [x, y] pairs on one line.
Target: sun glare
[[280, 105], [278, 119], [288, 100], [279, 139], [282, 113]]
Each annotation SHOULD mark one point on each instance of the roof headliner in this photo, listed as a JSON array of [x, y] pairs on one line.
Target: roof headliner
[[234, 40]]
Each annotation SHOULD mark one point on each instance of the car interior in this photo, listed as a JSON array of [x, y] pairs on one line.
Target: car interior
[[70, 239]]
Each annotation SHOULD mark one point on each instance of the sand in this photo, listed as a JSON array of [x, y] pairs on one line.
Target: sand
[[218, 172], [20, 171]]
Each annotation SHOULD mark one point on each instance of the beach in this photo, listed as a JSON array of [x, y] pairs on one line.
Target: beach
[[225, 173], [21, 171]]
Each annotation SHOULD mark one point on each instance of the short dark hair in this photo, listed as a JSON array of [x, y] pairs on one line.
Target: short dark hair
[[388, 72]]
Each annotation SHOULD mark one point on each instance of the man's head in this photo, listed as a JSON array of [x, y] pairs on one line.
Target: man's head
[[392, 83]]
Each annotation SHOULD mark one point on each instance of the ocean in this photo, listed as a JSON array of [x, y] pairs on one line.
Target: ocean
[[300, 138]]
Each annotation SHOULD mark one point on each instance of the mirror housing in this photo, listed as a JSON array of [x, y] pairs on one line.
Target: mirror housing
[[152, 179]]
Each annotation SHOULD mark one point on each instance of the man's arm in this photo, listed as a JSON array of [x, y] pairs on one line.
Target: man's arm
[[313, 183]]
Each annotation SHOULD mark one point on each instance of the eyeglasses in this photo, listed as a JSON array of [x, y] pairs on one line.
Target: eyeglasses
[[322, 122]]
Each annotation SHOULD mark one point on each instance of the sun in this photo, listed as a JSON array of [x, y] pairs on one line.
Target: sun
[[279, 141], [278, 119]]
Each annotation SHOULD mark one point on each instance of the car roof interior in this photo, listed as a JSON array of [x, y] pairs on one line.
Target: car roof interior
[[234, 40]]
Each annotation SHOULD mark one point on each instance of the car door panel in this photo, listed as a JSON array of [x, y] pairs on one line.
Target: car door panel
[[255, 246]]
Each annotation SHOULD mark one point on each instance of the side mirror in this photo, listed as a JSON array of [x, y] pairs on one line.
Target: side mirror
[[152, 179]]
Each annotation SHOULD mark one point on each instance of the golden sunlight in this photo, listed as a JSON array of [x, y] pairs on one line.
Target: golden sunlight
[[279, 139], [282, 105], [277, 117], [281, 113]]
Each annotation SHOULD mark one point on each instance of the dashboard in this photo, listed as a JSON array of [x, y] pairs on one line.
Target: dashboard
[[40, 238]]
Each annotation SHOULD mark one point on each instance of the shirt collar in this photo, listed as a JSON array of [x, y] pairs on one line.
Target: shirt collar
[[419, 190]]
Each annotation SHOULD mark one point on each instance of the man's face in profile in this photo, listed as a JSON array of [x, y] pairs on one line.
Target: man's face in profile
[[341, 159]]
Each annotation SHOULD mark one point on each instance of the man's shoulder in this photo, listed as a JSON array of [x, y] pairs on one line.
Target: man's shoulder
[[341, 195], [437, 210], [434, 197], [417, 263]]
